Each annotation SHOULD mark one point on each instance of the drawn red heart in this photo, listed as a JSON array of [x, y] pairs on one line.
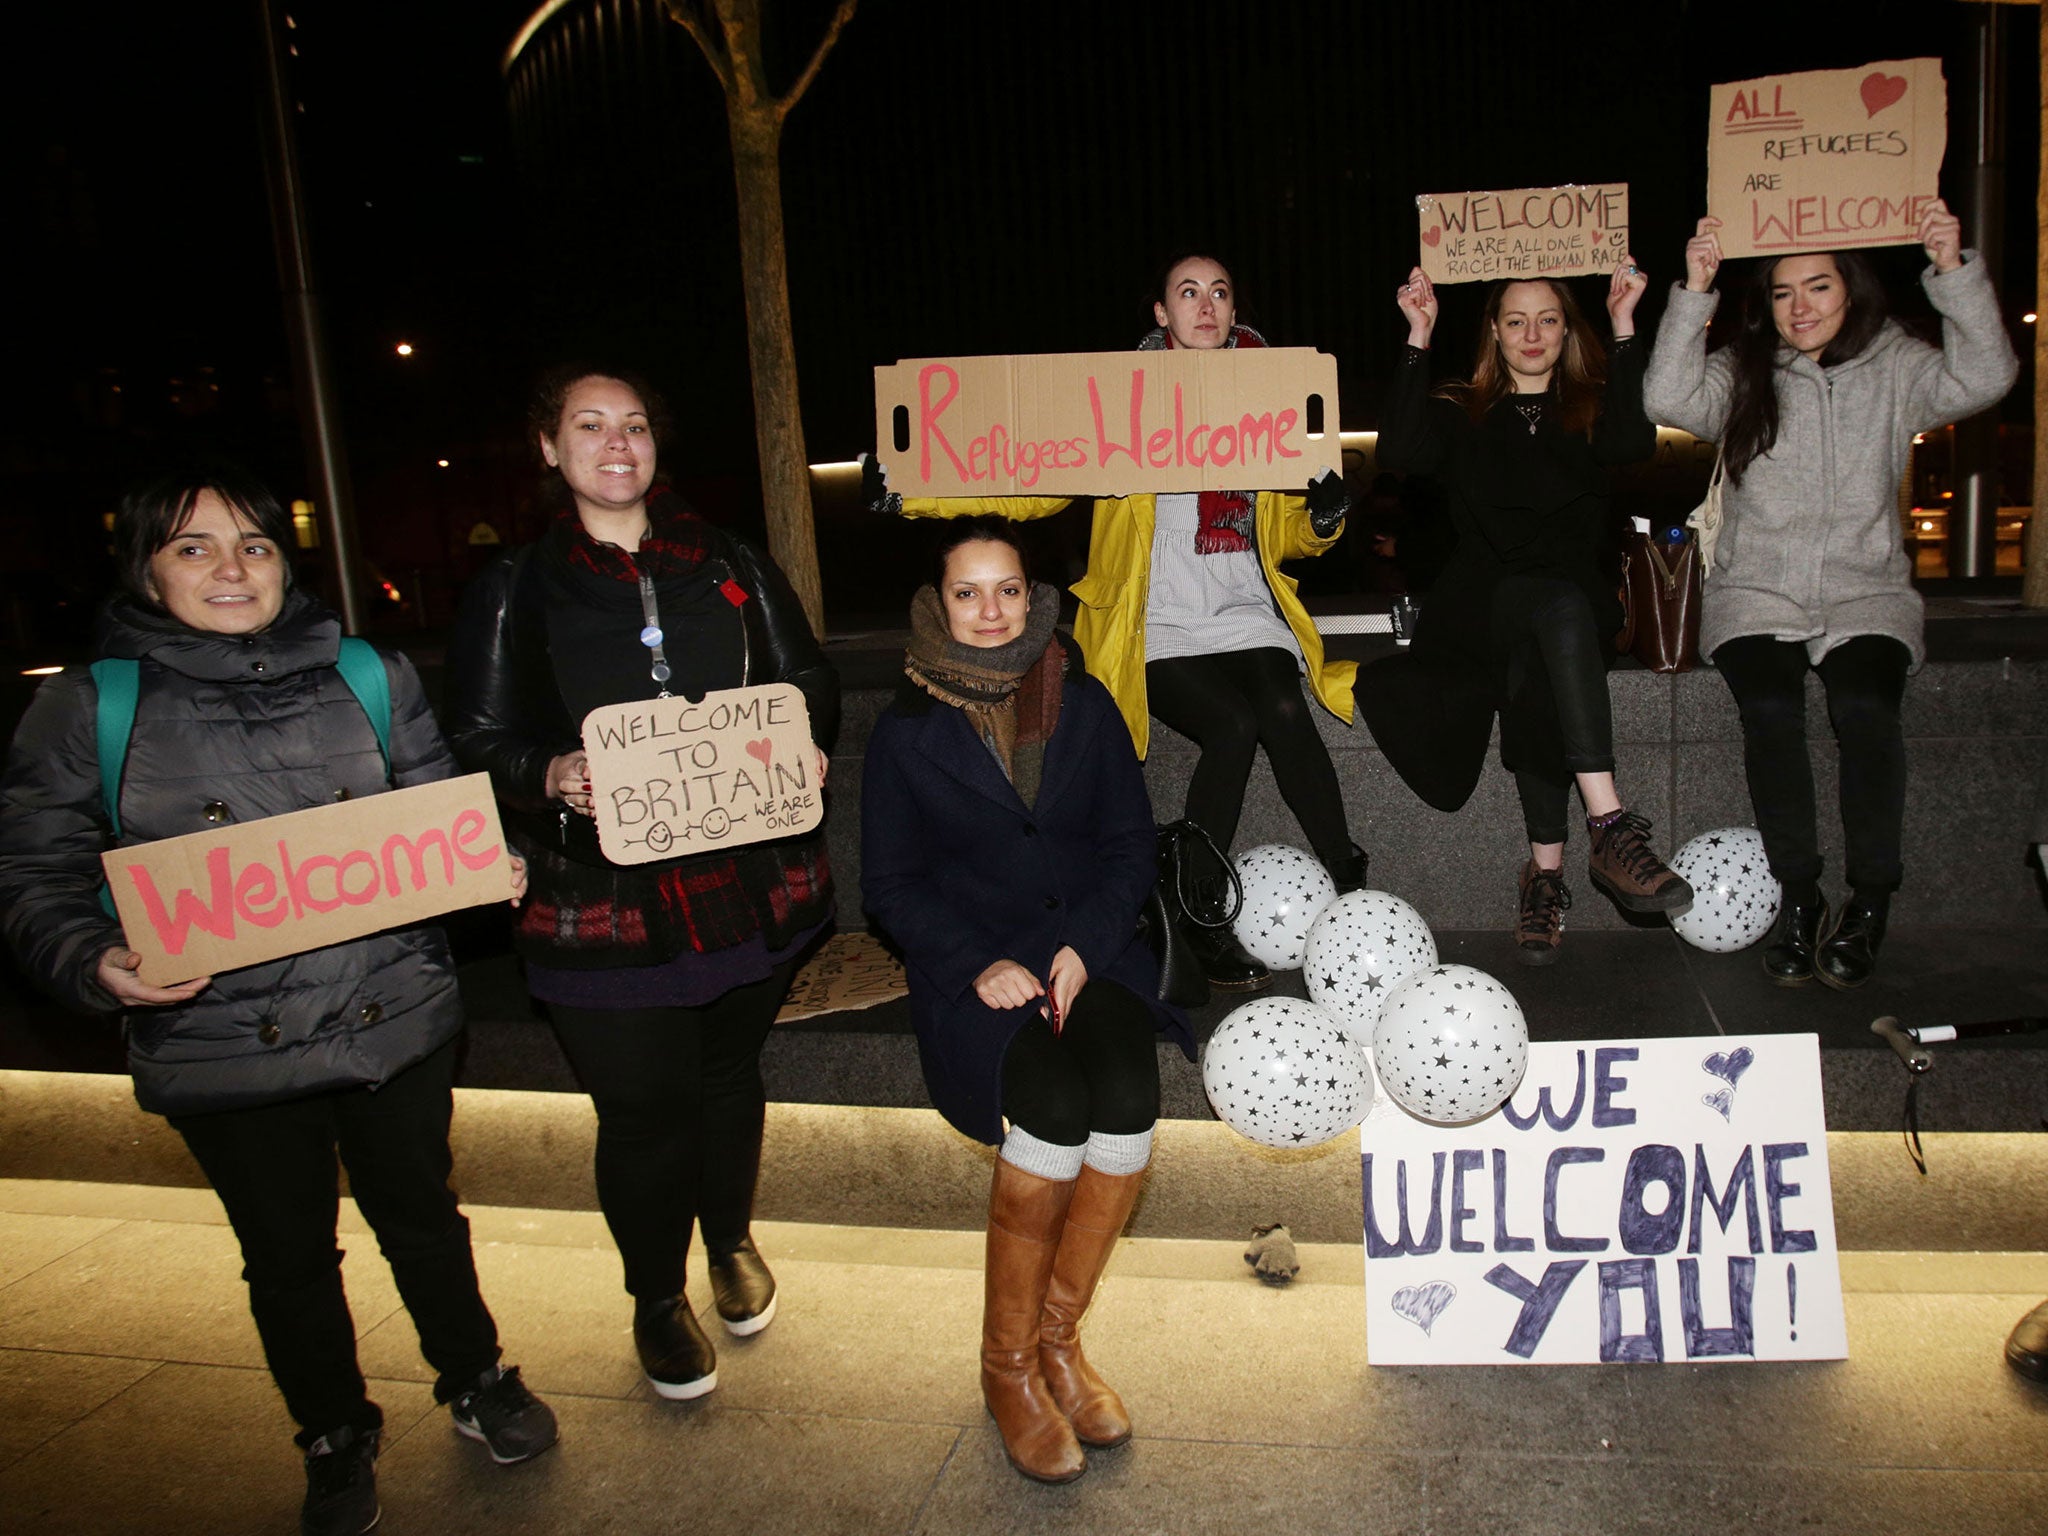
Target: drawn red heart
[[1597, 238], [1431, 236], [762, 749], [1881, 90]]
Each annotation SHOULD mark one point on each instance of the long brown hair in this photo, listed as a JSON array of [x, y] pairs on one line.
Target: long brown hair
[[1575, 384]]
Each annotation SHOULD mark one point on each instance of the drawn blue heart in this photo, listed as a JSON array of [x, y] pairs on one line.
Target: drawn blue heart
[[1729, 1068], [1423, 1304], [1722, 1099]]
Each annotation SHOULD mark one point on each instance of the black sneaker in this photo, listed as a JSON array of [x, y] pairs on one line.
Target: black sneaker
[[742, 1288], [341, 1484], [674, 1352], [498, 1410]]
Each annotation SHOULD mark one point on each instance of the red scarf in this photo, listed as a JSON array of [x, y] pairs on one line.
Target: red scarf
[[1225, 526]]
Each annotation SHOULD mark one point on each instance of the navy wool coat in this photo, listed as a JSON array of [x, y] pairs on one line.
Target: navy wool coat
[[961, 873]]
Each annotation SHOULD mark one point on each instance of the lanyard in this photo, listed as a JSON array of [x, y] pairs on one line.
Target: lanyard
[[651, 636]]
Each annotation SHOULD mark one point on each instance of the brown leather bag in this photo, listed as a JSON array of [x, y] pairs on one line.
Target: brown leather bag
[[1660, 602]]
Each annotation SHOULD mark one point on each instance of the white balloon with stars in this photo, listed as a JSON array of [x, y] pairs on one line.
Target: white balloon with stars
[[1735, 897], [1286, 1073], [1362, 946], [1284, 891], [1451, 1044]]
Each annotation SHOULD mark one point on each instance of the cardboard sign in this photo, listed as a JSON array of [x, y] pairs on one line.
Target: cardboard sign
[[1828, 159], [671, 777], [219, 900], [1636, 1200], [1108, 423], [1470, 237], [850, 971]]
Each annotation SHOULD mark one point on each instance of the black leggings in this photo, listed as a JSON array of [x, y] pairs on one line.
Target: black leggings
[[1231, 703], [1099, 1073], [1865, 680], [680, 1110], [1546, 622]]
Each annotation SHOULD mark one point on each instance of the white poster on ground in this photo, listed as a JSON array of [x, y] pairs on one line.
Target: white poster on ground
[[1636, 1200]]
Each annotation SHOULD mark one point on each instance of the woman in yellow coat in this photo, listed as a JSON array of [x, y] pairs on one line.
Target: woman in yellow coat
[[1186, 617]]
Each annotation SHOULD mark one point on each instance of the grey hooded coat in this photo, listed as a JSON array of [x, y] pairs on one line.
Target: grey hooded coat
[[1810, 546]]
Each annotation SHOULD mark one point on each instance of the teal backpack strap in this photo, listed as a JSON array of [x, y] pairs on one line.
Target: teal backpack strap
[[119, 680], [363, 670]]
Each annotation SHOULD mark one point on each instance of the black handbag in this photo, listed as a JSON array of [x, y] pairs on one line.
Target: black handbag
[[1181, 980]]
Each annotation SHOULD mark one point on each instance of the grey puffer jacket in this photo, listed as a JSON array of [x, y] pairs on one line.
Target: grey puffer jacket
[[1810, 548], [246, 727]]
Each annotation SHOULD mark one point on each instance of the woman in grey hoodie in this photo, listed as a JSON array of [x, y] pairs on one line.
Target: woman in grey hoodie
[[1815, 405]]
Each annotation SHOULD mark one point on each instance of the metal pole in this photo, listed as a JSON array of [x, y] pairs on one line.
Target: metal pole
[[313, 380], [1973, 515]]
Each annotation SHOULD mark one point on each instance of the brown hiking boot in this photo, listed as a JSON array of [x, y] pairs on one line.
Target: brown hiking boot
[[1539, 926], [1628, 869]]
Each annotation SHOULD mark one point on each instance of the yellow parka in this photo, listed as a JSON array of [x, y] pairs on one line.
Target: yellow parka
[[1110, 626]]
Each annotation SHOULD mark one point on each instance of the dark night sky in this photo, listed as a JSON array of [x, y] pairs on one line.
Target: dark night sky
[[962, 179]]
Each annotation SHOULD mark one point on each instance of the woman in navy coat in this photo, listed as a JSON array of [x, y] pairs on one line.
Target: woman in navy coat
[[1007, 845]]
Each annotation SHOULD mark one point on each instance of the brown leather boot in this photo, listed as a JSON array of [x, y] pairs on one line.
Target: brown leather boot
[[1625, 866], [1026, 1215], [1539, 915], [1102, 1204]]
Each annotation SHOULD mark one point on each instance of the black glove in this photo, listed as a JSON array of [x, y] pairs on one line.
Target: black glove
[[1328, 500], [875, 494]]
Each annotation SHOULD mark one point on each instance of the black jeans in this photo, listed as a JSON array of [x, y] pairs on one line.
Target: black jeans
[[1546, 622], [1865, 679], [1099, 1073], [1229, 705], [680, 1110], [274, 1170]]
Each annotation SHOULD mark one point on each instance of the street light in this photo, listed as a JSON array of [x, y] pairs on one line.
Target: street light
[[404, 349]]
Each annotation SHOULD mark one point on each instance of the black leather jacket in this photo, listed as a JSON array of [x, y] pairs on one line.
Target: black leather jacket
[[505, 712]]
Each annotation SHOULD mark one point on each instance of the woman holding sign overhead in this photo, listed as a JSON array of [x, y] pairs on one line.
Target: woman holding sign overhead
[[1187, 618], [661, 979], [1815, 404], [1007, 845], [226, 695], [1520, 620]]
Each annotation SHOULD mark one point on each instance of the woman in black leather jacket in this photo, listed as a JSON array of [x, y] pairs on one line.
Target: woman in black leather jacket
[[267, 1071], [661, 979]]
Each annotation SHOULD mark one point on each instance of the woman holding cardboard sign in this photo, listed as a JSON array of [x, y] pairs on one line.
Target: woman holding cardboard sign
[[242, 701], [661, 979], [1007, 845], [1815, 405], [1520, 619], [1186, 617]]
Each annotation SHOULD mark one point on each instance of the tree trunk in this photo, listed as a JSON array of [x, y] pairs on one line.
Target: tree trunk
[[2034, 592], [778, 420]]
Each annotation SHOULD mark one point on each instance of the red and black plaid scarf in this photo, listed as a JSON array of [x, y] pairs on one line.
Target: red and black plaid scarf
[[1225, 526], [677, 542]]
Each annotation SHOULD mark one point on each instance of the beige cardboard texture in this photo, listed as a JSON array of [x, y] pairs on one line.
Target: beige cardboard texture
[[849, 971], [217, 901], [1108, 423], [1473, 237], [669, 777], [1828, 159]]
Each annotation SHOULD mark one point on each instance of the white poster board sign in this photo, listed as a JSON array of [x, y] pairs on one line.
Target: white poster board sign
[[1636, 1200], [670, 777]]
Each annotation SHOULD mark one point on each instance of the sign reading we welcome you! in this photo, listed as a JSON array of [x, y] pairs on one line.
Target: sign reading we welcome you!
[[1827, 159]]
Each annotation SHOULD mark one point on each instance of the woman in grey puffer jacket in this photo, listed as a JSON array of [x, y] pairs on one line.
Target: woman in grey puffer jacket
[[1815, 405], [268, 1070]]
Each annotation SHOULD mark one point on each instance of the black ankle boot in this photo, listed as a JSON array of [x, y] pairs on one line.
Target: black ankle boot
[[1223, 959], [1849, 954], [1349, 871], [1788, 958]]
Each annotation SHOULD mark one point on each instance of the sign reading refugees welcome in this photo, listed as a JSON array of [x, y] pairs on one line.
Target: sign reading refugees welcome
[[1827, 159], [1635, 1200], [1470, 237], [1108, 423], [672, 776], [218, 900]]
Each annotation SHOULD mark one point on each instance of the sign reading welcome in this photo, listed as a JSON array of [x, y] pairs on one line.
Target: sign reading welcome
[[1827, 159], [1109, 423], [670, 777], [1637, 1200], [1470, 237], [218, 900]]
